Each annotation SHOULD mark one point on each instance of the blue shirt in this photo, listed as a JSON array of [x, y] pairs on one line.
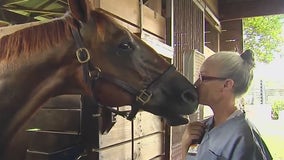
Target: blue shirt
[[236, 139]]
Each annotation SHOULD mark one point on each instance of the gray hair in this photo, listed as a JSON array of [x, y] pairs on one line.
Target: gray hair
[[236, 67]]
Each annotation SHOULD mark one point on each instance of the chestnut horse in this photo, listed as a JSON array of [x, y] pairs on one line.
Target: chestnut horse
[[66, 55]]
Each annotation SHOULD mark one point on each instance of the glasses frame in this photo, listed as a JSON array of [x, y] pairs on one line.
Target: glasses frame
[[210, 78]]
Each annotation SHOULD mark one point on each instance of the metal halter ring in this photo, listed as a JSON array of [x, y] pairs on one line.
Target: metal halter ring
[[83, 55], [95, 74], [144, 96]]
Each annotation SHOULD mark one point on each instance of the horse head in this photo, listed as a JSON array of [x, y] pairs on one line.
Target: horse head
[[126, 71]]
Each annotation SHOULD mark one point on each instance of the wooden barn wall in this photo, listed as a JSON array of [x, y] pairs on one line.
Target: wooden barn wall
[[63, 129], [188, 35], [188, 30], [231, 37], [212, 37]]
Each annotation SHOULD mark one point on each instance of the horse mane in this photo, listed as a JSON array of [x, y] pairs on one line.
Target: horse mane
[[36, 38]]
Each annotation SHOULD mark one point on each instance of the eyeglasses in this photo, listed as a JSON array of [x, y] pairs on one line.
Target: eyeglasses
[[209, 78]]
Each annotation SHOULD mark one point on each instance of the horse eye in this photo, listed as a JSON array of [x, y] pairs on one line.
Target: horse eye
[[125, 46]]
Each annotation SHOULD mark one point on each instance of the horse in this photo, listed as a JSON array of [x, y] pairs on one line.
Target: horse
[[86, 52]]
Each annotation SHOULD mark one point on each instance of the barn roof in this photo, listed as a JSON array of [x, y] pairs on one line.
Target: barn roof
[[22, 11]]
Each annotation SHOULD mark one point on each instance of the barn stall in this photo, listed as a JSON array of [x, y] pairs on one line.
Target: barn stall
[[184, 31]]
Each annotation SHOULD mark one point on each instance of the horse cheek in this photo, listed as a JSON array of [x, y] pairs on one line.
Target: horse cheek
[[106, 94]]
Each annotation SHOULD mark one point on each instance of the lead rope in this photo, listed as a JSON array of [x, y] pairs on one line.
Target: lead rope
[[132, 139]]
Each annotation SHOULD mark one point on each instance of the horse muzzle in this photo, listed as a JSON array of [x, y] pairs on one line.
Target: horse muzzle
[[170, 96], [173, 97]]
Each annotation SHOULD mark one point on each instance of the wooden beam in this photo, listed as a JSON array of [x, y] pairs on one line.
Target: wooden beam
[[13, 18], [229, 10], [58, 12], [152, 22], [145, 1]]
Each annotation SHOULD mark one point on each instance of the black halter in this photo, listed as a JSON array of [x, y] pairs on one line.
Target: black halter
[[93, 73]]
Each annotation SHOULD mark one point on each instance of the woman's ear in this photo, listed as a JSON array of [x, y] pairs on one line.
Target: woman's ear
[[229, 83], [80, 9]]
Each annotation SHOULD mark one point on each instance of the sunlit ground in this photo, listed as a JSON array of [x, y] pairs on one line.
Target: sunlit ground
[[272, 131]]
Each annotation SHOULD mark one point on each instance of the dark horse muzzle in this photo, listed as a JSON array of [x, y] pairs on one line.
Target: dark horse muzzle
[[173, 97]]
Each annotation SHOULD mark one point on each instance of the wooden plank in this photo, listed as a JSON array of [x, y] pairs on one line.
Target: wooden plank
[[152, 21], [56, 120], [212, 37], [155, 5], [213, 5], [48, 142], [159, 46], [208, 52], [231, 36], [229, 10], [36, 156], [64, 102], [160, 157], [144, 123], [144, 149], [149, 123], [70, 153]]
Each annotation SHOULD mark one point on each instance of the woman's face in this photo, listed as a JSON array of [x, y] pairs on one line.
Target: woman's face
[[210, 84]]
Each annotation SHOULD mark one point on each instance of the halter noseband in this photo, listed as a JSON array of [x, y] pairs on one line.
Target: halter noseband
[[92, 73]]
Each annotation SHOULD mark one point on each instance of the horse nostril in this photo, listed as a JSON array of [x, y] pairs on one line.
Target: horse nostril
[[187, 96]]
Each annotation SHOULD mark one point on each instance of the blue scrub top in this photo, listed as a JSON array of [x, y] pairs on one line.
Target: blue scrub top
[[236, 139]]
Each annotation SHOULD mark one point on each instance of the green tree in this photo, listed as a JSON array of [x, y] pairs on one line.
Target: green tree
[[263, 36], [277, 106]]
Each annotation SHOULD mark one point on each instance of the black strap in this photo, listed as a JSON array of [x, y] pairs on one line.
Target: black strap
[[79, 43]]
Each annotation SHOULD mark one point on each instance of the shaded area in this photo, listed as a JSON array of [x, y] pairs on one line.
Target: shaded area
[[24, 11]]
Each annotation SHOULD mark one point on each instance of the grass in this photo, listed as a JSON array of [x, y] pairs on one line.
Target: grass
[[272, 131], [273, 135], [275, 143]]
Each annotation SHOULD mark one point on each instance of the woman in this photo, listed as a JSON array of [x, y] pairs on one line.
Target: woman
[[227, 135]]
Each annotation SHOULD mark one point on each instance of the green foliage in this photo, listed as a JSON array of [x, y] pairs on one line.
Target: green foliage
[[263, 36], [276, 107]]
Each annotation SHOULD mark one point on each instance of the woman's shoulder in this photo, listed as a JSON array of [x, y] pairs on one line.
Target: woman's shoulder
[[241, 126], [237, 127]]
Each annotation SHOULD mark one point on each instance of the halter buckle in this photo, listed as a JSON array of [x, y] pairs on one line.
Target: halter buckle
[[144, 96], [83, 55]]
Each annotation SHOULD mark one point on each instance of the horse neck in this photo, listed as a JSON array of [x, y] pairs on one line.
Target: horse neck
[[26, 87]]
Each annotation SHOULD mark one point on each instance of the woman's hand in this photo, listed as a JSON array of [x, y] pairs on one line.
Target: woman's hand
[[193, 134]]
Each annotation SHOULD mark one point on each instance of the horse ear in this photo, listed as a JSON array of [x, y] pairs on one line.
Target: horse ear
[[80, 9]]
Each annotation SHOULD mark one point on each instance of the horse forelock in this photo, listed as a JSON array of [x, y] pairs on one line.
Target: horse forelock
[[35, 39]]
